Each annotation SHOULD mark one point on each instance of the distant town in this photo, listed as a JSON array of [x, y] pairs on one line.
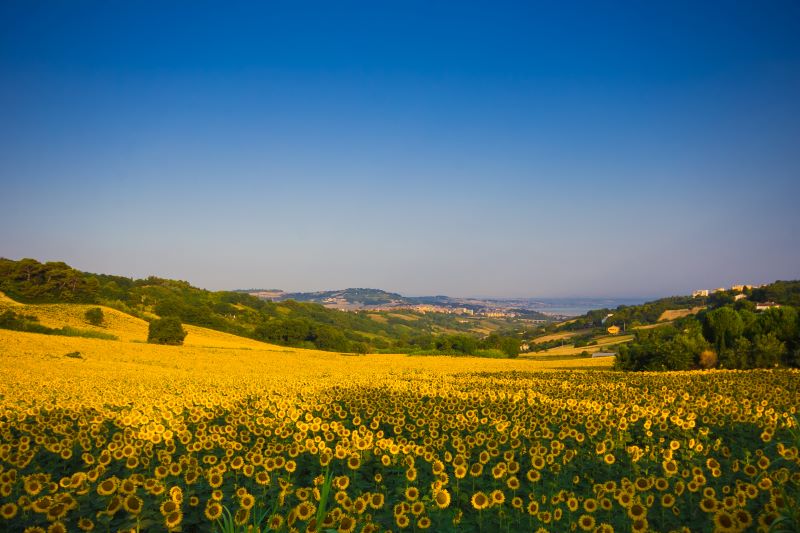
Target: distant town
[[740, 289]]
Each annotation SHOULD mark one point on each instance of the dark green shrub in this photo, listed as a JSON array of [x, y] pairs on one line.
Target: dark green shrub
[[168, 330], [94, 316]]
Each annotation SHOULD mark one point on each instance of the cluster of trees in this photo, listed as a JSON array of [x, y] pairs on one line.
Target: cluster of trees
[[729, 336], [309, 334], [31, 281], [493, 345]]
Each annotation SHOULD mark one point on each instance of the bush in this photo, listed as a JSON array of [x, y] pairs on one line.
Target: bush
[[94, 316], [708, 359], [168, 330], [360, 348]]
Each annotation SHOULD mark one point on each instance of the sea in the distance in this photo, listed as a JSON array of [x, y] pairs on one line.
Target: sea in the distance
[[578, 306]]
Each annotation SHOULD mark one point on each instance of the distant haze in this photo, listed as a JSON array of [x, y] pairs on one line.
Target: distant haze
[[467, 149]]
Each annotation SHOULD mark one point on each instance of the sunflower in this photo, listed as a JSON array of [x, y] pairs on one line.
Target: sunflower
[[132, 504], [479, 500], [247, 501], [402, 521], [724, 522], [85, 524], [176, 494], [215, 480], [586, 522], [213, 510], [424, 522], [442, 499], [376, 500], [533, 508], [262, 478], [274, 523], [8, 511], [305, 510], [360, 505], [346, 525], [609, 458], [127, 486], [572, 504], [667, 500], [533, 475], [108, 486], [498, 471], [708, 505], [57, 511], [637, 511], [625, 499], [241, 517], [57, 527], [498, 497], [412, 493], [114, 505], [33, 487], [417, 508], [169, 507]]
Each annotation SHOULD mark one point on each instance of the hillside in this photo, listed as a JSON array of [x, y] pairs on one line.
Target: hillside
[[290, 323], [124, 327]]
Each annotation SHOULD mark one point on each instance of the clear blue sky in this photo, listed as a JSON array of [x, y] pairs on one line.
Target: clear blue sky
[[498, 149]]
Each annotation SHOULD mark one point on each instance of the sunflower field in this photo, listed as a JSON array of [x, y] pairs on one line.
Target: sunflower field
[[126, 436]]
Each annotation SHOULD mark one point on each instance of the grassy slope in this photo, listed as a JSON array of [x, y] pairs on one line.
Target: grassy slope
[[126, 327]]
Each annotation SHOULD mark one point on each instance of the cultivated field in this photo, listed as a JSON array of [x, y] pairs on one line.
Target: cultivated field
[[603, 343], [131, 435]]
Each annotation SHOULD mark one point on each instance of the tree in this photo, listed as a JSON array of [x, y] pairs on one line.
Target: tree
[[166, 330], [329, 338], [94, 316], [722, 327], [360, 348], [767, 351]]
